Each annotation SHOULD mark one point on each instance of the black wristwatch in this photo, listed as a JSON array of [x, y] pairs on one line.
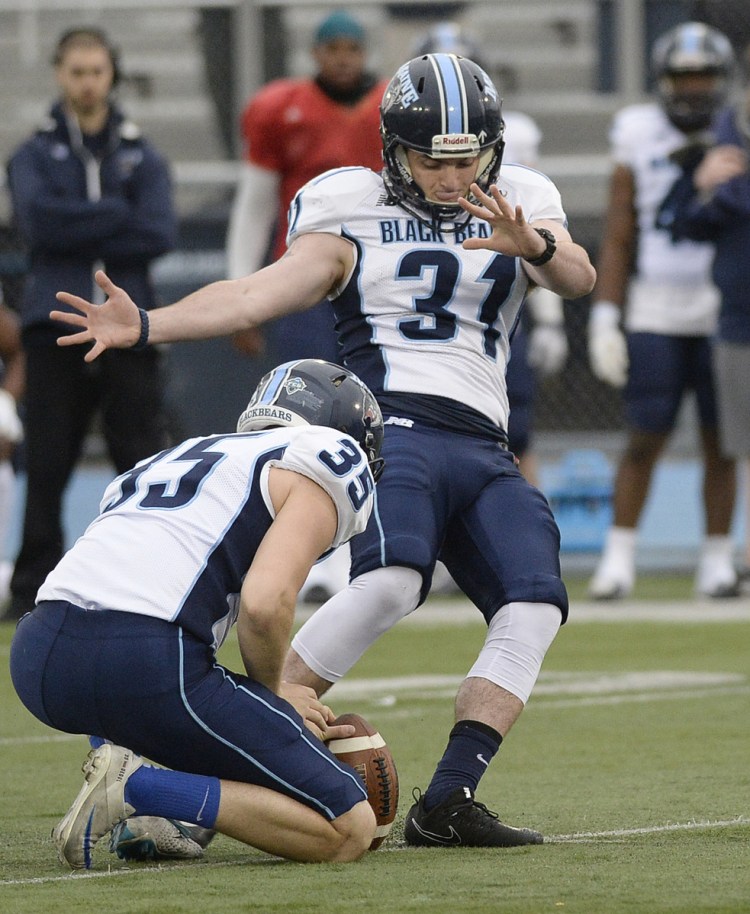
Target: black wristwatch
[[548, 253]]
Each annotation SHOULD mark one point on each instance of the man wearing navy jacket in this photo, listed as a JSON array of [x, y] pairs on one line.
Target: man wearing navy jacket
[[711, 202], [87, 191]]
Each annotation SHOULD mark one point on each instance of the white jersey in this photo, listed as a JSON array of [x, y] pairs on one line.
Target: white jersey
[[177, 533], [671, 291], [419, 316]]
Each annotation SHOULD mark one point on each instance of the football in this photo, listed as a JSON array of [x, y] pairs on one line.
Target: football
[[371, 758]]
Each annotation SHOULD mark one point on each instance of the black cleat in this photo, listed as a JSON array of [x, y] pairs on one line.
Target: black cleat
[[462, 822]]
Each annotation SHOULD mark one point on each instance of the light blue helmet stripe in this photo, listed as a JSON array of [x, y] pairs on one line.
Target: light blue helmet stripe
[[453, 93], [275, 381]]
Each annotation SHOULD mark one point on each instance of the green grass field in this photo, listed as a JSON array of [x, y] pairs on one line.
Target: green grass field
[[633, 757]]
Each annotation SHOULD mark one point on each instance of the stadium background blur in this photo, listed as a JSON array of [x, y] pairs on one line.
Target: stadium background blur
[[188, 69]]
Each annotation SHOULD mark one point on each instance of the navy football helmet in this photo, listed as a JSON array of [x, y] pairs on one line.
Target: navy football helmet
[[446, 107], [692, 48], [314, 392]]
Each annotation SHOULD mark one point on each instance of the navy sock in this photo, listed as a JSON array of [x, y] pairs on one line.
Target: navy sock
[[174, 795], [471, 747]]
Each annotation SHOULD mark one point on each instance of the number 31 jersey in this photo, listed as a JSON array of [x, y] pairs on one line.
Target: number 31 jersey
[[420, 315], [177, 533]]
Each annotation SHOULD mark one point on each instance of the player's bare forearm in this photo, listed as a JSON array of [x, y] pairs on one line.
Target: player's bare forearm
[[617, 250], [313, 266], [304, 527], [569, 273], [263, 637]]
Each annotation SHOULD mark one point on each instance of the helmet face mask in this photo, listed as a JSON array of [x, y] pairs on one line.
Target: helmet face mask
[[445, 107], [690, 51], [314, 392]]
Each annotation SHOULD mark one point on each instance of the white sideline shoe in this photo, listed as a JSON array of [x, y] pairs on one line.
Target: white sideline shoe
[[156, 838], [717, 580], [99, 806], [610, 585], [614, 577]]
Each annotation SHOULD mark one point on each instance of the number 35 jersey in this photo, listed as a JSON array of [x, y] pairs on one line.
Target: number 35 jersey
[[420, 315], [177, 533]]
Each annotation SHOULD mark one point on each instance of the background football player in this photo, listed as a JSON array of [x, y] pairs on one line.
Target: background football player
[[670, 305]]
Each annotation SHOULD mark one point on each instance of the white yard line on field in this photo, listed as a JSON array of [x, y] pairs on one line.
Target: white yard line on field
[[585, 836], [132, 871], [393, 712], [555, 690], [459, 611], [575, 838]]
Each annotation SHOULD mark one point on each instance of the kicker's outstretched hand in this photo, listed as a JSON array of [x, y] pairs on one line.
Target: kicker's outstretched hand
[[116, 324], [511, 233]]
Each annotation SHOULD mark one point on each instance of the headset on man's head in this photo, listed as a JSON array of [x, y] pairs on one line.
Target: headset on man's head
[[88, 35]]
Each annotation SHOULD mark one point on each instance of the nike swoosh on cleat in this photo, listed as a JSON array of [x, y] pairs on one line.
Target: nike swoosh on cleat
[[452, 838]]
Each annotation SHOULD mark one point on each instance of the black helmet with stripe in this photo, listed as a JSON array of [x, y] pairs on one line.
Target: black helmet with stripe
[[444, 106], [692, 48], [314, 392]]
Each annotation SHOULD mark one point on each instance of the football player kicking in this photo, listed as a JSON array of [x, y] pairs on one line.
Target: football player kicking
[[214, 531], [427, 266]]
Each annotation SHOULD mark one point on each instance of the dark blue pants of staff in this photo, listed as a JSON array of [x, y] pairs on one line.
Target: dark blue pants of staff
[[63, 395]]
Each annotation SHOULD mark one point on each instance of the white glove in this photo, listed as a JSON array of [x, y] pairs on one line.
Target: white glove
[[548, 349], [608, 350], [548, 342], [10, 425]]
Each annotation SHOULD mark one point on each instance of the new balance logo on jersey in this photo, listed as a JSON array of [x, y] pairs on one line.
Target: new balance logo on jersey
[[397, 420]]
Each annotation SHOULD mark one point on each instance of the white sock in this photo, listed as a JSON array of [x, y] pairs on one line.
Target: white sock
[[718, 548], [7, 502], [620, 544], [716, 564], [618, 555]]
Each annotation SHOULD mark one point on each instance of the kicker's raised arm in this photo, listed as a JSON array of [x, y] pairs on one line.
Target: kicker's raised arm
[[311, 268]]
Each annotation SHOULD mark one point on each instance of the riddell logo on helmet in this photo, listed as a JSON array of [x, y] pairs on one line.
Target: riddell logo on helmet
[[452, 143]]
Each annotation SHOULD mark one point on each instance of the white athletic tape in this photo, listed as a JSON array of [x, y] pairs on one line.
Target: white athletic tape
[[356, 744]]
